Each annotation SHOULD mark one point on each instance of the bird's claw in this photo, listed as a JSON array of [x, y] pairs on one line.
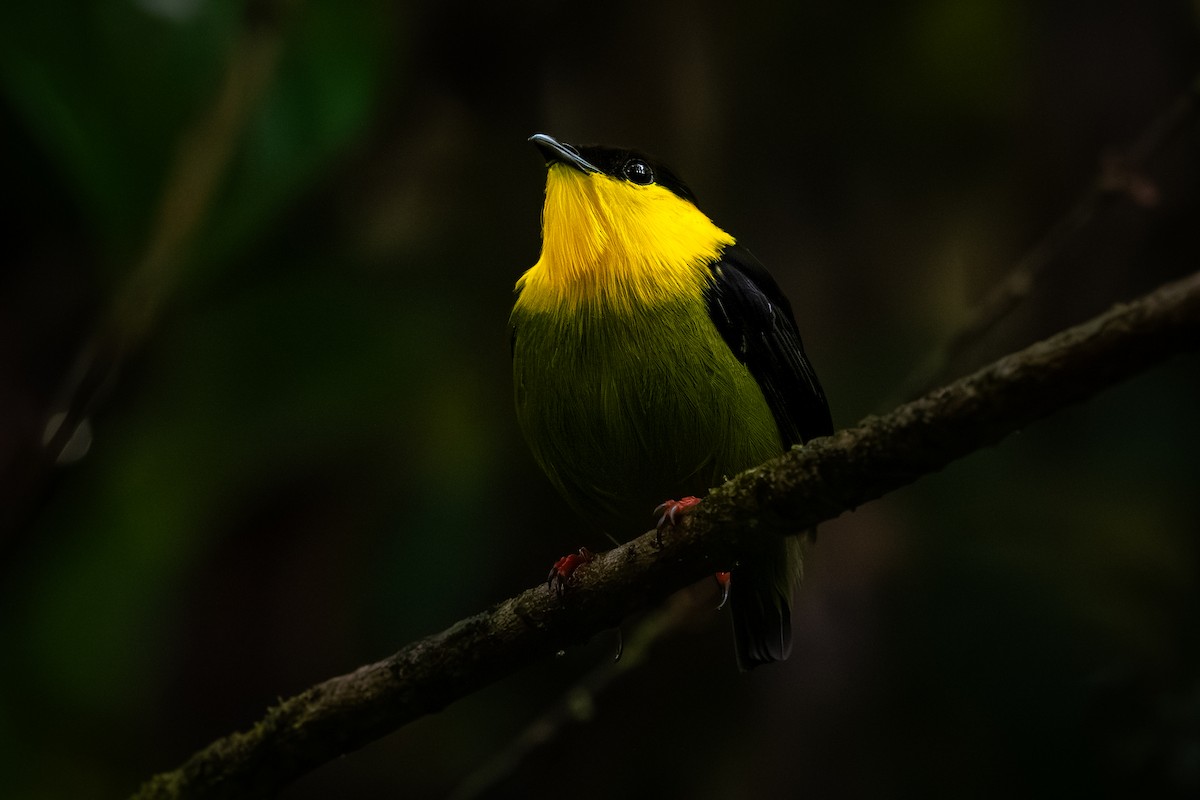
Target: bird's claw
[[671, 512], [563, 571], [723, 582]]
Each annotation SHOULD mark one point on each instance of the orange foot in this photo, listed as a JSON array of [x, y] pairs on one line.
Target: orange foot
[[671, 512], [563, 571]]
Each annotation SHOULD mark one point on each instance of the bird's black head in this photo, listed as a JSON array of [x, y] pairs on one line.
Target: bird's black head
[[627, 165]]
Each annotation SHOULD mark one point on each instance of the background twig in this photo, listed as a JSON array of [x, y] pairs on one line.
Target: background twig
[[1118, 176], [578, 704], [202, 156]]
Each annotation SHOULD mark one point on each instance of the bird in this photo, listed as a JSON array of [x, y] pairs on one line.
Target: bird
[[654, 356]]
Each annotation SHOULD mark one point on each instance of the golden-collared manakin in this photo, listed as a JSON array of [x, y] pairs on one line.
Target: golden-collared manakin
[[653, 357]]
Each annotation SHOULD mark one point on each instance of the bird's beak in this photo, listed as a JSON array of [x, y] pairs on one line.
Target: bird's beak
[[554, 150]]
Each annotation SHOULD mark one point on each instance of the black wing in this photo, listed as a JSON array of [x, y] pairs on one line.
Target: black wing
[[755, 320]]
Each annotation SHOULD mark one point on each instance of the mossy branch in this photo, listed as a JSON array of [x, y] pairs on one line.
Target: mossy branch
[[791, 493]]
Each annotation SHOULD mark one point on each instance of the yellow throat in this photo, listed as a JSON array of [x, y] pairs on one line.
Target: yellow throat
[[615, 245]]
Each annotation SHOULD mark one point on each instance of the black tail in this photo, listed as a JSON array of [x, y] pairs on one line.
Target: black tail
[[762, 619]]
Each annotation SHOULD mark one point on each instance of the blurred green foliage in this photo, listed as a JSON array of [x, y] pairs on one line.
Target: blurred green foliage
[[305, 456]]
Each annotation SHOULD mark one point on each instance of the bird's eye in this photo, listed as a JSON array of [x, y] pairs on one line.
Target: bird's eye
[[638, 171]]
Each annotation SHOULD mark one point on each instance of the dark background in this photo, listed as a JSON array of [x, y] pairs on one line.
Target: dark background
[[295, 379]]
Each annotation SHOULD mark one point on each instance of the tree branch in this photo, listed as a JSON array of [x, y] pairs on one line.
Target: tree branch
[[794, 492]]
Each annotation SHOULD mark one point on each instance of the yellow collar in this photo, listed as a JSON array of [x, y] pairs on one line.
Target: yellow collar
[[612, 244]]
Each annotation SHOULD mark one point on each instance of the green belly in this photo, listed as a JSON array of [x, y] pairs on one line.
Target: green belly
[[623, 411]]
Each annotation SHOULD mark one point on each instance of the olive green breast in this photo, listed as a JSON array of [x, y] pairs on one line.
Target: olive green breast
[[626, 409]]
